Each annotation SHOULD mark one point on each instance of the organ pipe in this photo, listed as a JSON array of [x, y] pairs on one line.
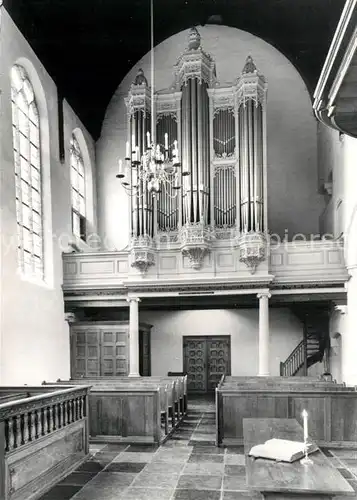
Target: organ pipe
[[142, 202], [251, 172]]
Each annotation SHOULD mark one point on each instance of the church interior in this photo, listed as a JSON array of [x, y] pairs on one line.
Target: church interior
[[178, 248]]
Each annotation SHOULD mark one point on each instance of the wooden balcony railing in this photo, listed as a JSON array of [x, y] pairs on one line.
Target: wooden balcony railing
[[51, 422]]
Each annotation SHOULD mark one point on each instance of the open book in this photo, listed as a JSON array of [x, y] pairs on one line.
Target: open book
[[281, 450]]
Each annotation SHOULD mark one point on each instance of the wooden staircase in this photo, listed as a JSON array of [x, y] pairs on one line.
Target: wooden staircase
[[316, 340]]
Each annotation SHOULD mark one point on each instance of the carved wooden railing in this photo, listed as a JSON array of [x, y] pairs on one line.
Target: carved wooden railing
[[305, 354], [294, 361], [27, 420]]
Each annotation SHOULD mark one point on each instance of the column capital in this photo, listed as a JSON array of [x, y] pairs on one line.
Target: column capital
[[341, 309], [133, 299], [262, 295]]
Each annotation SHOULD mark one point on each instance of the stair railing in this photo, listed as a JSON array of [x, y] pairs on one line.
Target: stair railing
[[294, 361]]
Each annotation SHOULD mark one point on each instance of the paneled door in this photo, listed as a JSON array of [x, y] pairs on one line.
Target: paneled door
[[206, 359]]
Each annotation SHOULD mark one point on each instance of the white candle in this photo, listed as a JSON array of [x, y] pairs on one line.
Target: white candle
[[137, 153], [133, 142], [127, 150], [166, 142], [120, 167], [304, 416], [148, 138]]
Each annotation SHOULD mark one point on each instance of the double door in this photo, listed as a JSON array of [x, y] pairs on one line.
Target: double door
[[206, 359]]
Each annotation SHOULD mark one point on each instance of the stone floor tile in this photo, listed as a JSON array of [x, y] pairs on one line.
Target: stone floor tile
[[199, 482], [194, 442], [104, 457], [91, 466], [118, 447], [204, 468], [181, 494], [234, 459], [235, 450], [105, 486], [148, 493], [173, 444], [128, 456], [61, 492], [78, 478], [130, 467], [205, 457], [156, 480], [234, 470], [242, 495], [211, 450], [236, 483], [142, 448], [163, 467]]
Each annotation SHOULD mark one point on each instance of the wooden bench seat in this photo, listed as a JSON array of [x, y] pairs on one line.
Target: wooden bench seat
[[318, 480], [332, 408], [170, 396]]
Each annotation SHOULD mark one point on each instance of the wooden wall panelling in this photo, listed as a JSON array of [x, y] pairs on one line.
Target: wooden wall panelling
[[101, 349]]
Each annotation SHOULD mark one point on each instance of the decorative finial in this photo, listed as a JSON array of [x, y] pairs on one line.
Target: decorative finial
[[249, 66], [140, 78], [194, 39]]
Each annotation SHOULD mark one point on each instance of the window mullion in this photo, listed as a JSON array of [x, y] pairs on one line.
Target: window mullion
[[18, 180]]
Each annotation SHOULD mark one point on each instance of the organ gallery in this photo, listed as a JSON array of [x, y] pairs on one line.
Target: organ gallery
[[211, 142]]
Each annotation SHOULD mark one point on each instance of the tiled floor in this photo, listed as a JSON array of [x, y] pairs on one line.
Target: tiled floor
[[187, 467]]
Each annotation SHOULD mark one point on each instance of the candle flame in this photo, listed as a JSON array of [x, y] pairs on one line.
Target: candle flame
[[304, 413]]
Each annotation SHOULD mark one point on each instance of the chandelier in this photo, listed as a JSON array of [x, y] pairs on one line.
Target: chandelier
[[155, 170]]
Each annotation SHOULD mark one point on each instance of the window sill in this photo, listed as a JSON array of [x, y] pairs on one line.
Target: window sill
[[33, 280], [78, 245]]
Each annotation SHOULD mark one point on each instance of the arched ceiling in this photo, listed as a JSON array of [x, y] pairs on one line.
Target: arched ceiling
[[88, 46]]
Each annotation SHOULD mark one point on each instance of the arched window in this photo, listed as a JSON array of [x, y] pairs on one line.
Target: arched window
[[78, 191], [27, 156]]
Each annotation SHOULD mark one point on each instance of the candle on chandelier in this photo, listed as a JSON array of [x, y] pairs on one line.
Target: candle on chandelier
[[127, 150], [137, 153], [133, 142], [175, 152], [120, 171], [304, 416], [166, 142], [148, 138]]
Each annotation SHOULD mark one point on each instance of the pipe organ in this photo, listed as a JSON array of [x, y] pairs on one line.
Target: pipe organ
[[221, 133]]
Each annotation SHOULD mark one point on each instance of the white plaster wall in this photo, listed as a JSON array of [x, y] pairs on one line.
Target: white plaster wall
[[34, 334], [169, 327], [292, 136]]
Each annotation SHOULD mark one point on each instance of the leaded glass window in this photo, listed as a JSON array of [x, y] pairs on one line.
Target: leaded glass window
[[28, 175], [78, 191]]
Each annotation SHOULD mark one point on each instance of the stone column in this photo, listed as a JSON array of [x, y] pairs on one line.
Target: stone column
[[349, 335], [264, 333], [133, 336]]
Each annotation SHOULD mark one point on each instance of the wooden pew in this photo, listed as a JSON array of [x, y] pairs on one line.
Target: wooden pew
[[332, 409], [179, 393], [290, 481], [168, 392], [166, 388]]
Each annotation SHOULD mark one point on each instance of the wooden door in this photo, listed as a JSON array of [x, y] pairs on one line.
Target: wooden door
[[206, 359], [85, 352], [114, 352], [218, 360]]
